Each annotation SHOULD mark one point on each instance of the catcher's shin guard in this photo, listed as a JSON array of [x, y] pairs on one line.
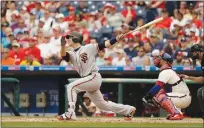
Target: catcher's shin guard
[[166, 103]]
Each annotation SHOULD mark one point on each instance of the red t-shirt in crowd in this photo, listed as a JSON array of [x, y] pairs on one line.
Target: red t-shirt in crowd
[[198, 23], [17, 56], [133, 12], [30, 7], [165, 23], [35, 52], [70, 18]]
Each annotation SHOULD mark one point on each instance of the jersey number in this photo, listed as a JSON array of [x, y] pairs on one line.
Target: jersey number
[[84, 57]]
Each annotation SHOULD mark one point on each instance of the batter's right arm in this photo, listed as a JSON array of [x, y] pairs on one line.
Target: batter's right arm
[[64, 54]]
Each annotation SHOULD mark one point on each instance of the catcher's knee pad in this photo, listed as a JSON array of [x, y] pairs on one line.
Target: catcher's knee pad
[[166, 103], [200, 93]]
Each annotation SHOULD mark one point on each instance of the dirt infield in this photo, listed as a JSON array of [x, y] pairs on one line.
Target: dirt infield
[[99, 119]]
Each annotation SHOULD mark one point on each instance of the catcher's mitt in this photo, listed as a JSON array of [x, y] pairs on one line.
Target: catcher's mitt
[[150, 103]]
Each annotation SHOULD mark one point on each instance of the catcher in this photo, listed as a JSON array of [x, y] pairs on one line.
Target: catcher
[[180, 96]]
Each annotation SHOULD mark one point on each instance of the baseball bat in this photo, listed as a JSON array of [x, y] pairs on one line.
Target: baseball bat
[[146, 25]]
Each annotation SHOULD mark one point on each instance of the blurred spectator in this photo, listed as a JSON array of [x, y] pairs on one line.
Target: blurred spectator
[[17, 53], [186, 62], [10, 11], [178, 20], [37, 10], [155, 42], [178, 60], [142, 59], [82, 7], [56, 39], [21, 27], [24, 14], [114, 18], [33, 50], [49, 22], [131, 49], [190, 27], [71, 17], [155, 8], [184, 47], [94, 23], [6, 59], [170, 47], [90, 106], [129, 13], [60, 22], [165, 24], [197, 22], [32, 22], [108, 61], [110, 52], [46, 47], [119, 60], [147, 48], [34, 30], [128, 61], [6, 41], [29, 60], [100, 61]]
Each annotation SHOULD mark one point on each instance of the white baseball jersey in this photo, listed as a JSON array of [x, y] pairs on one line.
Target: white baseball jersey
[[84, 59], [169, 76]]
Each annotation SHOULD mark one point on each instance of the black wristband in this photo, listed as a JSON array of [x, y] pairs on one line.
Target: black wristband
[[113, 41]]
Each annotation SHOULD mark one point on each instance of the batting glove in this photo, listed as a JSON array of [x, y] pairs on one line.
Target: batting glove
[[63, 41]]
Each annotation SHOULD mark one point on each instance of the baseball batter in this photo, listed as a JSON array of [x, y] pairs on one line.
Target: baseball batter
[[171, 102], [83, 59]]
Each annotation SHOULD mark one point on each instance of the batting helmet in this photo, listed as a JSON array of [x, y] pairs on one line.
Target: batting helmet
[[76, 37]]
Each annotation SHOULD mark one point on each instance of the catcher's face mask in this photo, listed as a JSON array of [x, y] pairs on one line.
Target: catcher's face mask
[[157, 60]]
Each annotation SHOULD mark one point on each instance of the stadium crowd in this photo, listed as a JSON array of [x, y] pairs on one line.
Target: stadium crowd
[[31, 31]]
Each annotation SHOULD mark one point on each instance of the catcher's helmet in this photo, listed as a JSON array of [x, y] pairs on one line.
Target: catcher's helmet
[[166, 57], [197, 48], [76, 37]]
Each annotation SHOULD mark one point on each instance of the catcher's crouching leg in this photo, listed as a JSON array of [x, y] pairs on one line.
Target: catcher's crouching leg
[[168, 105]]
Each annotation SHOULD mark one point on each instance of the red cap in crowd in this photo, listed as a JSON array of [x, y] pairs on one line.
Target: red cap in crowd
[[109, 58], [71, 8], [129, 3]]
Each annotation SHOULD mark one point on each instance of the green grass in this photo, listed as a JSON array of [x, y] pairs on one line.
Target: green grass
[[94, 124]]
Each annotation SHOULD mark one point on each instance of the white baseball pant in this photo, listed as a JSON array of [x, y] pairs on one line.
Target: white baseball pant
[[180, 100], [91, 84]]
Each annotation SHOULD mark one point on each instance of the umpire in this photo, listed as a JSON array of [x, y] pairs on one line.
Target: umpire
[[197, 52]]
